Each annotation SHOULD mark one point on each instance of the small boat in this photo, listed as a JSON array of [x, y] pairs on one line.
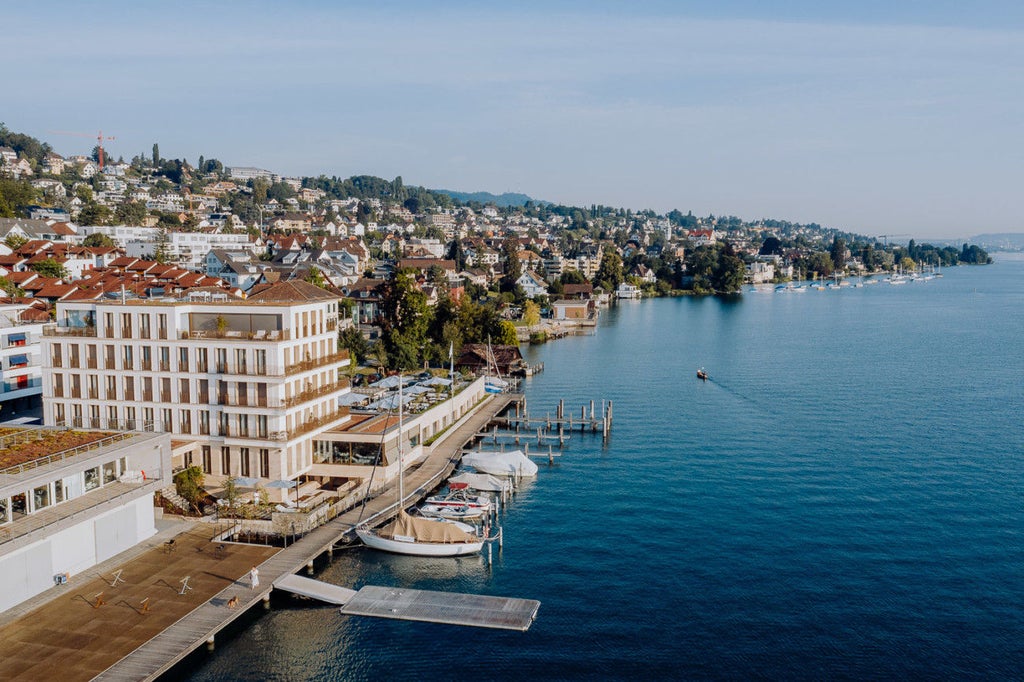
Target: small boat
[[459, 497], [463, 513], [512, 463], [702, 375]]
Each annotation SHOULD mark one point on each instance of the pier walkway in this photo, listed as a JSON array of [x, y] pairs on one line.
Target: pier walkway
[[157, 655]]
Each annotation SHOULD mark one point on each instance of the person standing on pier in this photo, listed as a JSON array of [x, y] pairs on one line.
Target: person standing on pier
[[254, 578]]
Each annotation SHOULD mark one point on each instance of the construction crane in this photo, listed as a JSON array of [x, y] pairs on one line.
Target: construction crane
[[99, 140], [885, 237]]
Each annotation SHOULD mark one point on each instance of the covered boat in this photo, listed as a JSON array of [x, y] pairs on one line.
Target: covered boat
[[513, 463], [482, 482], [418, 536]]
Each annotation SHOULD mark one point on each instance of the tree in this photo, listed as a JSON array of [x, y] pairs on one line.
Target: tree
[[513, 268], [15, 241], [10, 288], [771, 246], [160, 252], [15, 195], [838, 253], [156, 154], [189, 485], [507, 335], [130, 213], [405, 318], [609, 273], [94, 214], [353, 340], [98, 239], [531, 314], [48, 267], [316, 277]]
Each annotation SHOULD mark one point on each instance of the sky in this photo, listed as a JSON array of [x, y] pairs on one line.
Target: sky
[[898, 117]]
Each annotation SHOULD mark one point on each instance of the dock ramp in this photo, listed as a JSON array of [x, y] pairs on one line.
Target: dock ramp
[[505, 613], [314, 589]]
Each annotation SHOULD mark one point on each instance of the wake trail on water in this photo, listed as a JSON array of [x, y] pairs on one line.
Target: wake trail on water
[[759, 406]]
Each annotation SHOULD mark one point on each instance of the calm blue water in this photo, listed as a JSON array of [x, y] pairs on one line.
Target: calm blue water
[[845, 499]]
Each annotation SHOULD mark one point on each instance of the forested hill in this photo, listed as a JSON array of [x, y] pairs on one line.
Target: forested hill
[[500, 200]]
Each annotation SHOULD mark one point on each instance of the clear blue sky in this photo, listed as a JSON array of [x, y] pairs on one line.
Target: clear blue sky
[[877, 117]]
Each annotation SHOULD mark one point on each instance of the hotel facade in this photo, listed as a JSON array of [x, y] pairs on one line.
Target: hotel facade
[[244, 387]]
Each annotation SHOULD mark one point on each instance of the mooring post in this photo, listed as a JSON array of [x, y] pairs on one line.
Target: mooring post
[[561, 436], [209, 643], [551, 455], [609, 414], [266, 601], [591, 409], [561, 408], [309, 567]]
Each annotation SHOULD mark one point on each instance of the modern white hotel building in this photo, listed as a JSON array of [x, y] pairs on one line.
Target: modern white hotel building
[[244, 387]]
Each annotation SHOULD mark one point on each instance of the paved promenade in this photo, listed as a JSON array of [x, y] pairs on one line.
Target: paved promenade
[[158, 648]]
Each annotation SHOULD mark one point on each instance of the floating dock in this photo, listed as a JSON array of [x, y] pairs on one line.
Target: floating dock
[[504, 613]]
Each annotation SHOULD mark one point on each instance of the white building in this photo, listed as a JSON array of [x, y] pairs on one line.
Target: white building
[[64, 512], [187, 249], [20, 366], [248, 383]]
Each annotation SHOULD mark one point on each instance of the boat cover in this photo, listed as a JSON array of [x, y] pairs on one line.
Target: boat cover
[[425, 530], [513, 463], [484, 482]]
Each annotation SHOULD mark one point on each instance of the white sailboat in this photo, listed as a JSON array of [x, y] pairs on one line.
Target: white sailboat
[[418, 536]]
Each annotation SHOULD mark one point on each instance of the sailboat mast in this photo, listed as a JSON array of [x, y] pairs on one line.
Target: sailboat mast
[[401, 464]]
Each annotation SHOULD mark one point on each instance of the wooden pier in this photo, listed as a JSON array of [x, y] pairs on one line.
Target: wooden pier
[[520, 426], [200, 627]]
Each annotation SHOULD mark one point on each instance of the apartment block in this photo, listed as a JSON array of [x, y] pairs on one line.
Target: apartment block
[[243, 386]]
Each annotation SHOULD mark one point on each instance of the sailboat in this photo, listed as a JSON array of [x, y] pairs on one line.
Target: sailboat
[[493, 384], [415, 535]]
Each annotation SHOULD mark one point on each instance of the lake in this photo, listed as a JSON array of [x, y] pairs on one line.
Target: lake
[[843, 499]]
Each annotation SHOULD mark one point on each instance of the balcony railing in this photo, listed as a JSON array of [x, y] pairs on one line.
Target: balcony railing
[[54, 330], [306, 365], [261, 335], [313, 393], [317, 422]]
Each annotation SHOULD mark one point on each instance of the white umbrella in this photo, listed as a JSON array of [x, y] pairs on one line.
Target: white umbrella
[[245, 481], [284, 484]]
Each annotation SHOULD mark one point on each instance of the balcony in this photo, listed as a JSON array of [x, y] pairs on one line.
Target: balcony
[[229, 335], [54, 330], [305, 366], [318, 422], [313, 393]]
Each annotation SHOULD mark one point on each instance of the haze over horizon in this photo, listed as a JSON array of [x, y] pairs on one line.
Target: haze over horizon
[[879, 119]]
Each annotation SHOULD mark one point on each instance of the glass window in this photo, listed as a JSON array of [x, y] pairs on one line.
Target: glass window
[[41, 497], [92, 478], [4, 516], [58, 491], [109, 472]]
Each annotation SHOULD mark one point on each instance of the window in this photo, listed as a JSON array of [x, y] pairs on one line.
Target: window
[[127, 358], [129, 388], [222, 360], [74, 356], [58, 491], [58, 385], [58, 414], [167, 416], [126, 325], [204, 391], [147, 358], [129, 416], [185, 421], [165, 359], [109, 472], [94, 416], [165, 389], [109, 356], [183, 392], [240, 361], [243, 425], [243, 455], [111, 382], [207, 465], [183, 359], [161, 323], [112, 417], [261, 361], [225, 461], [204, 423], [144, 326], [4, 514], [76, 415], [147, 419], [92, 478], [94, 390], [202, 360], [56, 357], [264, 463], [41, 497], [261, 426]]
